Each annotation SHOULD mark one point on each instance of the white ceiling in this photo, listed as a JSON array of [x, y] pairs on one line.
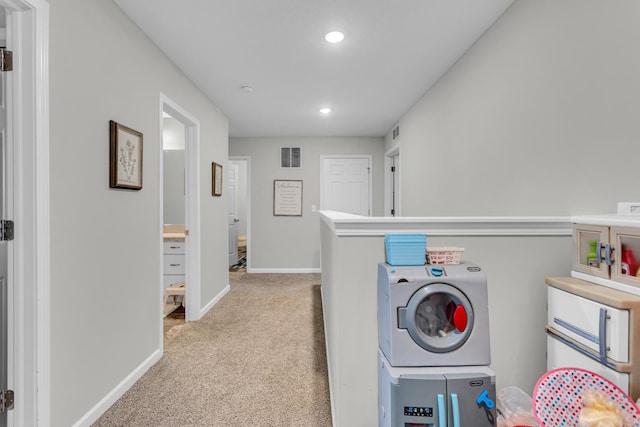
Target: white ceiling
[[394, 50]]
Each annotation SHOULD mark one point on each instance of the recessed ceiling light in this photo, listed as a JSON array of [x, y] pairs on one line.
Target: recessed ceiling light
[[334, 37], [325, 110]]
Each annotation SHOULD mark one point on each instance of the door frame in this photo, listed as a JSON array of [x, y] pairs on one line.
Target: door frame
[[248, 204], [29, 282], [388, 182], [369, 157], [192, 209]]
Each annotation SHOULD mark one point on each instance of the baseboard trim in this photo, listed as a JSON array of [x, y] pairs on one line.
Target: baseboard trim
[[283, 270], [214, 301], [115, 394]]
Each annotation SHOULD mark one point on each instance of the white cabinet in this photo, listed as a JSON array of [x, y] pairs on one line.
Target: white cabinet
[[173, 262], [601, 328], [593, 317], [607, 250], [594, 327]]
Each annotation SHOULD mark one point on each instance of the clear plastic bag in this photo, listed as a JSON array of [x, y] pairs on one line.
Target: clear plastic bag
[[515, 408]]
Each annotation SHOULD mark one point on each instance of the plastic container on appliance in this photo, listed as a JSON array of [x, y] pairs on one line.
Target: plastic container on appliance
[[592, 256], [405, 249], [444, 255], [628, 263]]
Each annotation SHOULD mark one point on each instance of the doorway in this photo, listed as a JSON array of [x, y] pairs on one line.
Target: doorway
[[190, 128], [5, 246], [239, 218], [174, 208], [27, 171]]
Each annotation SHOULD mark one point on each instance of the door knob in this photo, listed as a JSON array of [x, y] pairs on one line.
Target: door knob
[[236, 220]]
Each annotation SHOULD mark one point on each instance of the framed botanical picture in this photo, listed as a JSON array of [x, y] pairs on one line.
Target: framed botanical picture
[[216, 179], [125, 159]]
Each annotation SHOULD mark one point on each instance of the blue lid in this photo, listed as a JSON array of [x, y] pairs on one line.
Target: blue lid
[[405, 238]]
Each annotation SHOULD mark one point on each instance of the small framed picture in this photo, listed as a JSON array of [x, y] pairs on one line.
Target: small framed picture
[[125, 159], [216, 179]]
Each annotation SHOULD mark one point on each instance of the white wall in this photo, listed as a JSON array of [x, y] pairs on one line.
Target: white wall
[[515, 266], [540, 117], [173, 186], [280, 243], [105, 263], [173, 143]]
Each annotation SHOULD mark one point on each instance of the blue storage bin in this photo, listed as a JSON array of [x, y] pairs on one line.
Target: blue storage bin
[[405, 249]]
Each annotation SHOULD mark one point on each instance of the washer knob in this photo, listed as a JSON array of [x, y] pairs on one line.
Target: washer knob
[[436, 271]]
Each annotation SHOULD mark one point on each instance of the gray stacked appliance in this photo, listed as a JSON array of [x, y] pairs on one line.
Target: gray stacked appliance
[[433, 328]]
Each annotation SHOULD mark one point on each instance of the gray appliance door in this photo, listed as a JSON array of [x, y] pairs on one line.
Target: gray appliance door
[[439, 317], [420, 400], [471, 400]]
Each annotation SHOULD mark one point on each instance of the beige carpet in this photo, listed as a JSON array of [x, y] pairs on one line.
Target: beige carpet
[[256, 359]]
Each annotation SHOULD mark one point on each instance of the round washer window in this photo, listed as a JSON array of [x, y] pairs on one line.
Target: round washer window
[[439, 317]]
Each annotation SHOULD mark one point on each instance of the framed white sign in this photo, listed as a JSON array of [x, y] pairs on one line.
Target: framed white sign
[[287, 197]]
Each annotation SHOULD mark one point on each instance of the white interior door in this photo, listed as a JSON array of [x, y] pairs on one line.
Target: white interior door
[[232, 216], [346, 184]]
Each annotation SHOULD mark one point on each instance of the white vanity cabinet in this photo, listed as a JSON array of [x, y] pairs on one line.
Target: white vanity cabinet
[[616, 239], [173, 262]]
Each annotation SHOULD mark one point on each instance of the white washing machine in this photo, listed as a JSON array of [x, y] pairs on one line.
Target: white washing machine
[[433, 315]]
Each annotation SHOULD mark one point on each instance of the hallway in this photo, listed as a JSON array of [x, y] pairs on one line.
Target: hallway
[[257, 358]]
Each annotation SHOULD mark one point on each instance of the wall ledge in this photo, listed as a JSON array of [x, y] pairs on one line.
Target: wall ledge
[[344, 225]]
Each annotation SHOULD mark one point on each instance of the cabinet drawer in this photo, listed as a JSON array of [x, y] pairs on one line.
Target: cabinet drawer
[[592, 324], [560, 355], [174, 264], [173, 247], [172, 279]]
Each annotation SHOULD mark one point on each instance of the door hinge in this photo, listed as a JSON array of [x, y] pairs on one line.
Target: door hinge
[[393, 212], [6, 230], [6, 400], [6, 60], [393, 168]]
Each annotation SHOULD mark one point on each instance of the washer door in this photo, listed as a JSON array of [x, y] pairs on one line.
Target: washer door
[[439, 317]]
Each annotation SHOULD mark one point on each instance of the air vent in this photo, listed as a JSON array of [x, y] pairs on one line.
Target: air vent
[[290, 157], [396, 132]]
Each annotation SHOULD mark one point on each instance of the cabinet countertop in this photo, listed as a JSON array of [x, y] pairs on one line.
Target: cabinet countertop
[[173, 232], [173, 236]]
